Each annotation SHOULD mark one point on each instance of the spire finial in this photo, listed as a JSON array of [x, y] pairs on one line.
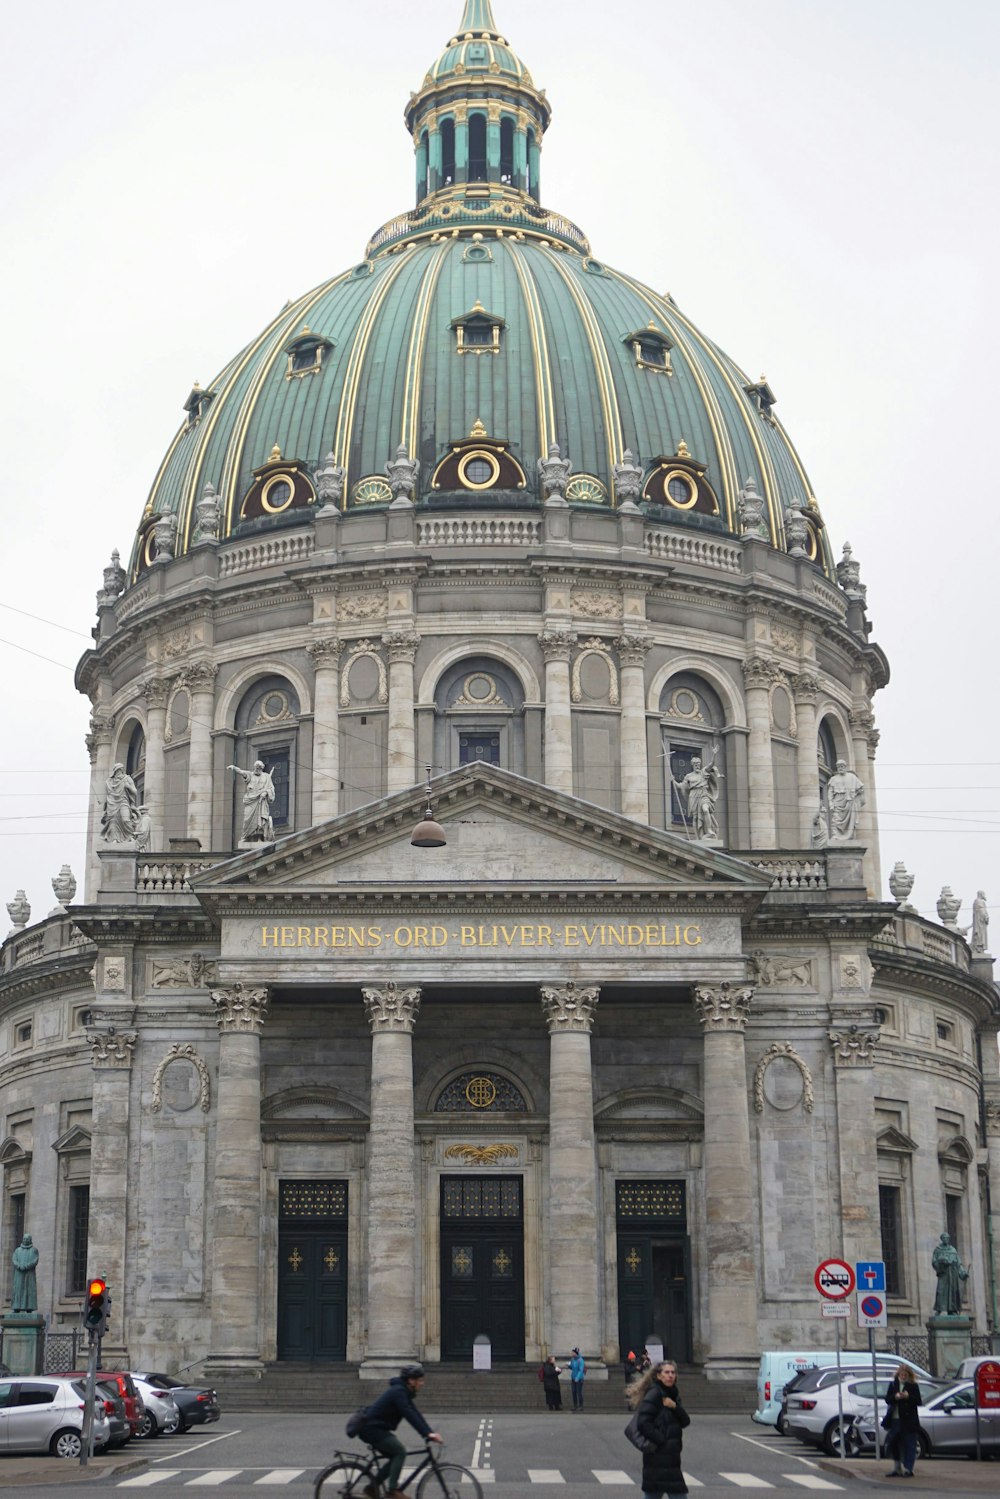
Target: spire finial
[[477, 17]]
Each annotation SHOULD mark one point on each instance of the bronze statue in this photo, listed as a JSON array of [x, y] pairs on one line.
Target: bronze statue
[[24, 1292], [950, 1273]]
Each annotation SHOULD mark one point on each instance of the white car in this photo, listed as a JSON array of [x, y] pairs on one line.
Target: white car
[[161, 1416], [45, 1414], [813, 1415]]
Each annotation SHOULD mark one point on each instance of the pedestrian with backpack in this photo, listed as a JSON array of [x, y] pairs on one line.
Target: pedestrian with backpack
[[377, 1426]]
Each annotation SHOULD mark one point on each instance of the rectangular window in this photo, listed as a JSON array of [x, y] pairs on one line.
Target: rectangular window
[[15, 1233], [481, 748], [277, 761], [891, 1220], [953, 1217], [79, 1226], [678, 762]]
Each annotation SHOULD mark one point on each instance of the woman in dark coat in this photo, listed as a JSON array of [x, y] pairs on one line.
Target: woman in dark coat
[[662, 1419], [902, 1421], [550, 1383]]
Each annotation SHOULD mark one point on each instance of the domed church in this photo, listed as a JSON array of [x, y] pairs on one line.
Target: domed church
[[483, 935]]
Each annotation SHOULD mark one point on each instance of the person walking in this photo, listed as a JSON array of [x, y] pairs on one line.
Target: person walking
[[550, 1380], [395, 1404], [662, 1419], [902, 1421], [577, 1374]]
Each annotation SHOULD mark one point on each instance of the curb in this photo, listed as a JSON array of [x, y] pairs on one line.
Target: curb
[[44, 1472]]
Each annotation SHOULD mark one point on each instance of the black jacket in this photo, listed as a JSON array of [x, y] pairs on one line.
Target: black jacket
[[395, 1404], [661, 1468], [909, 1417]]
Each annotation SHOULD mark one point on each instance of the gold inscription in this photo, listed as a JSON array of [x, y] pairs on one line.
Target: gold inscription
[[489, 935]]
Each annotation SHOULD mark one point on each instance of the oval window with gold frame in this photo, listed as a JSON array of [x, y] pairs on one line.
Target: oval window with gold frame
[[680, 490], [277, 494], [812, 548], [478, 469]]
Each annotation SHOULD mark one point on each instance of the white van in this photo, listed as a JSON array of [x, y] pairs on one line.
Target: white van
[[777, 1368]]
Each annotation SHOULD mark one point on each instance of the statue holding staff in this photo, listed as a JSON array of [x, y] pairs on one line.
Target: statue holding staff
[[258, 794], [700, 790]]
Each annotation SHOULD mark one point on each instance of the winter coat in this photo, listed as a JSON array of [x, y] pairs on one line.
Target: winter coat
[[909, 1417], [661, 1468], [395, 1404], [550, 1376], [577, 1367]]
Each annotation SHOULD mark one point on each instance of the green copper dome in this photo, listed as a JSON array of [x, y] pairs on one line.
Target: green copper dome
[[480, 315]]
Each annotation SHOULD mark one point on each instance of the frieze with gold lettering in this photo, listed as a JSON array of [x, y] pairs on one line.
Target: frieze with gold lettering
[[492, 935]]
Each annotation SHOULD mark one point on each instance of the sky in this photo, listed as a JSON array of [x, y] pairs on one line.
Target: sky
[[813, 182]]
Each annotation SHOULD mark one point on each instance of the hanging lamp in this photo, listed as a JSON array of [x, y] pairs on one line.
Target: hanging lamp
[[428, 833]]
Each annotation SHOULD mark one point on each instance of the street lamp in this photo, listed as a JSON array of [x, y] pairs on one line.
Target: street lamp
[[428, 833]]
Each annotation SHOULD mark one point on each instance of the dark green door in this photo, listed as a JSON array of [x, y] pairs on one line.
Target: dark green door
[[482, 1266], [312, 1271], [653, 1268]]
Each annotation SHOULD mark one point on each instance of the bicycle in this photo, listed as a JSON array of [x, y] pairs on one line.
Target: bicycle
[[351, 1473]]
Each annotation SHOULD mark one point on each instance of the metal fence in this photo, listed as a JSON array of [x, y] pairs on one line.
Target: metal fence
[[916, 1349], [61, 1351]]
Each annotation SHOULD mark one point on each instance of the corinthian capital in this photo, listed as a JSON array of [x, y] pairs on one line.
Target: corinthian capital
[[240, 1008], [101, 726], [392, 1008], [854, 1047], [154, 692], [556, 644], [325, 652], [725, 1008], [632, 649], [111, 1048], [805, 687], [758, 671], [569, 1007], [200, 676], [401, 645]]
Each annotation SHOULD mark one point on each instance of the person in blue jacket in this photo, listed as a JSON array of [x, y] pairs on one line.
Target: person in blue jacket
[[395, 1404], [577, 1374]]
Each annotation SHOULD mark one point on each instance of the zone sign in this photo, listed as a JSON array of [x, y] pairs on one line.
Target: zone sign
[[834, 1279]]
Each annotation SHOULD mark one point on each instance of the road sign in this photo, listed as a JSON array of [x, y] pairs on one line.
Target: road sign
[[834, 1279], [870, 1275], [835, 1308], [871, 1309]]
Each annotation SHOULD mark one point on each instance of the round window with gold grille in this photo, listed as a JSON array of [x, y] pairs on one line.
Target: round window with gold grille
[[478, 469], [480, 1092]]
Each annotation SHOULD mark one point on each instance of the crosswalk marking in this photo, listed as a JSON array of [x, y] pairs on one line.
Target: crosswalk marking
[[693, 1483], [811, 1481], [146, 1480], [747, 1480], [280, 1475], [545, 1475], [213, 1479], [485, 1475], [611, 1475]]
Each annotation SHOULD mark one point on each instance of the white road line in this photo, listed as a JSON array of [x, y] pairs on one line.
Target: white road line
[[207, 1443], [789, 1457], [212, 1479], [545, 1475], [693, 1483], [281, 1475], [747, 1480], [811, 1481], [146, 1480], [485, 1475], [612, 1475]]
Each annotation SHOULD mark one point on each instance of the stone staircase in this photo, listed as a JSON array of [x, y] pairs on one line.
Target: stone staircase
[[336, 1388]]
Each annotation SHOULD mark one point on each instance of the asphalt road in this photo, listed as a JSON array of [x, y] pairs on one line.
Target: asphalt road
[[514, 1455]]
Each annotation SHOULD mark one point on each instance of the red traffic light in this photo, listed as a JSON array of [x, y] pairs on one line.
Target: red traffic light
[[97, 1287]]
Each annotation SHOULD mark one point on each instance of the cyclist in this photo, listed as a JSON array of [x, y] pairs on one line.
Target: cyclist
[[395, 1404]]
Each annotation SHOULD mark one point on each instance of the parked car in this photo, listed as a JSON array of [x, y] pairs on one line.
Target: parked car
[[777, 1369], [826, 1374], [967, 1368], [196, 1404], [948, 1423], [813, 1415], [114, 1409], [125, 1385], [45, 1414], [162, 1416]]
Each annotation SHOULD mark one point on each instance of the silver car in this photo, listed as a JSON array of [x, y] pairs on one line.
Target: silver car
[[948, 1424], [161, 1414], [45, 1414]]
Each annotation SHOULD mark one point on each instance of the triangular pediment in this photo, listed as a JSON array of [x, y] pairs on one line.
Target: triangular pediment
[[893, 1139], [503, 831], [75, 1139]]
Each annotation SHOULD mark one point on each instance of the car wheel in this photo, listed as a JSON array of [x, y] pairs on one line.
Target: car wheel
[[833, 1438], [923, 1446], [181, 1423], [170, 1425], [781, 1426], [66, 1444], [147, 1426]]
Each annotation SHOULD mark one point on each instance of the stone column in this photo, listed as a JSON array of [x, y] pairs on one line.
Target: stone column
[[806, 690], [111, 1054], [864, 738], [634, 764], [155, 695], [729, 1226], [199, 679], [461, 143], [402, 649], [326, 729], [433, 156], [572, 1200], [99, 749], [534, 168], [391, 1012], [236, 1198], [521, 151], [493, 142], [758, 675], [854, 1068], [556, 646], [421, 150]]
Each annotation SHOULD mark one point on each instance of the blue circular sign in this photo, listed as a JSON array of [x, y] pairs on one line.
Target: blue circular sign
[[872, 1306]]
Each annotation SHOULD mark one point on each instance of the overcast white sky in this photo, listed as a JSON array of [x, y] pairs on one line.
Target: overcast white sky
[[814, 182]]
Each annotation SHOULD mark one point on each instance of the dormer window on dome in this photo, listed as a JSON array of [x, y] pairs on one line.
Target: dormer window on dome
[[197, 403], [478, 463], [278, 485], [763, 398], [652, 349], [306, 353], [478, 331], [679, 483]]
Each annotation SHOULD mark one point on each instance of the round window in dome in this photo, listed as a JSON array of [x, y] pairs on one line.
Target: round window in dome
[[680, 491], [478, 470], [276, 495]]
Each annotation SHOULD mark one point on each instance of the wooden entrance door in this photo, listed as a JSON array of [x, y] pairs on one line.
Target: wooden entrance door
[[312, 1271], [482, 1266], [653, 1267]]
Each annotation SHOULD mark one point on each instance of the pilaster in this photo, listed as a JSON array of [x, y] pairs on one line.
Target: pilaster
[[758, 674], [199, 679], [111, 1049], [326, 729], [154, 693], [401, 646], [853, 1049], [632, 649], [556, 646]]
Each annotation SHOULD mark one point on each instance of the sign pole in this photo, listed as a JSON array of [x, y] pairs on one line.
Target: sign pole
[[87, 1448], [878, 1423], [840, 1397]]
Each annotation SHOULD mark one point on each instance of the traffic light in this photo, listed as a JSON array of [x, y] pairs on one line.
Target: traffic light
[[96, 1307]]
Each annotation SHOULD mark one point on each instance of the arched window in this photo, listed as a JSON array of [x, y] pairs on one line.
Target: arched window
[[507, 150], [447, 152], [479, 715], [827, 754], [692, 720], [477, 148], [425, 185], [267, 729], [135, 759]]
